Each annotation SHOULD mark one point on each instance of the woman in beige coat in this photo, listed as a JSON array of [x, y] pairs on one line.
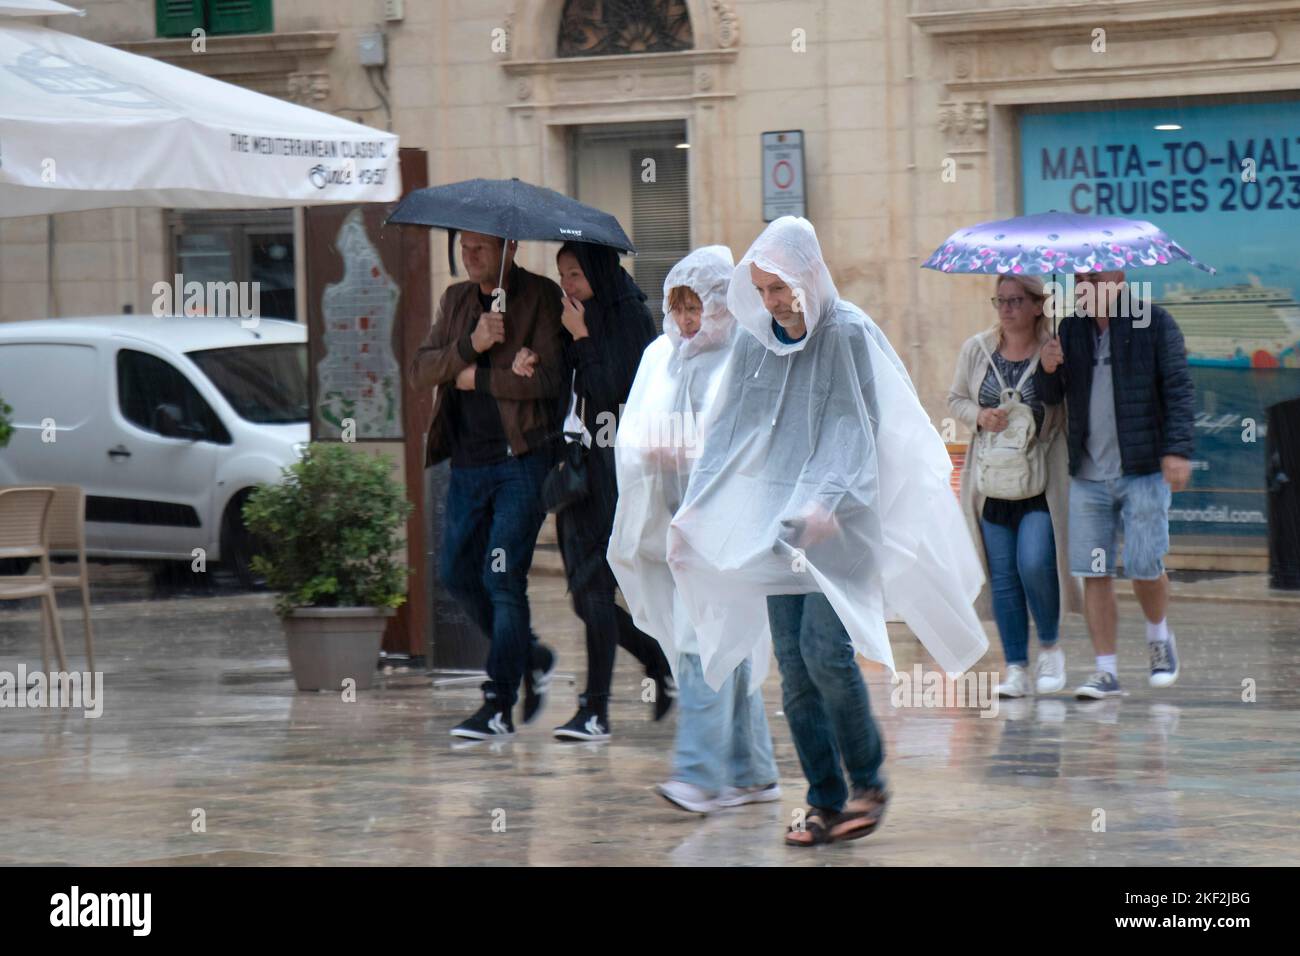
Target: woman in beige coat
[[1023, 542]]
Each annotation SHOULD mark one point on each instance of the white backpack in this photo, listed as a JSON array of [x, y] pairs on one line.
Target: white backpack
[[1011, 464]]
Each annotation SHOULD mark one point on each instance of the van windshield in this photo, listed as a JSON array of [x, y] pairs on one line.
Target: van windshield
[[265, 384]]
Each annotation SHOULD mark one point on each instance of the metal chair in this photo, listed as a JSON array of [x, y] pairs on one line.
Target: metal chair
[[24, 533]]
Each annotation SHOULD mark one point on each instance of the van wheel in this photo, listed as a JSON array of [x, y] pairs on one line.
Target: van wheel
[[15, 566], [238, 545]]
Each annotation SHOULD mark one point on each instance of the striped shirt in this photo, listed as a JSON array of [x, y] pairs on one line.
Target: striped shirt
[[990, 390]]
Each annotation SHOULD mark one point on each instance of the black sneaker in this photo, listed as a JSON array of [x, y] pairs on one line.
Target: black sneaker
[[491, 722], [586, 724], [537, 681], [665, 693]]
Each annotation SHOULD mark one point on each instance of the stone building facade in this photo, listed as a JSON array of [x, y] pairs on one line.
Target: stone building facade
[[910, 111]]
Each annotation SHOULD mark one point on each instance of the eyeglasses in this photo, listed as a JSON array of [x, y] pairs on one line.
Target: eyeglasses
[[1016, 301]]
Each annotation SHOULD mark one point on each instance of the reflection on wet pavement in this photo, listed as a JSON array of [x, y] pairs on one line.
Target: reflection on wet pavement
[[200, 714]]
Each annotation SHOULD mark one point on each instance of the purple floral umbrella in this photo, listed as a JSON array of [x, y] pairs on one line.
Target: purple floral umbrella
[[1051, 242]]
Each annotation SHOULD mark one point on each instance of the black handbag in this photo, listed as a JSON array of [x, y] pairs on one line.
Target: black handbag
[[566, 482]]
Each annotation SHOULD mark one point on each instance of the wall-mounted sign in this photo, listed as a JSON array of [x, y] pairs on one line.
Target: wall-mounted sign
[[783, 183]]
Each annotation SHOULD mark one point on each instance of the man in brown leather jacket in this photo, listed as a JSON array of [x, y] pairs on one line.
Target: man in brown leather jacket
[[494, 357]]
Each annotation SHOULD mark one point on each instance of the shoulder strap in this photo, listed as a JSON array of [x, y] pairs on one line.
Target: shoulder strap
[[979, 340], [1029, 370]]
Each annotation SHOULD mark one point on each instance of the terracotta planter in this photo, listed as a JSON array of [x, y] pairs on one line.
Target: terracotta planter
[[329, 644]]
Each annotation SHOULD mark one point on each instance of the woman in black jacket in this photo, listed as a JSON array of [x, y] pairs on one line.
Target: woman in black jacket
[[609, 327]]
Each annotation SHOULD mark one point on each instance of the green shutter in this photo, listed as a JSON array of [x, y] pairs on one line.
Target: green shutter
[[176, 18], [239, 16]]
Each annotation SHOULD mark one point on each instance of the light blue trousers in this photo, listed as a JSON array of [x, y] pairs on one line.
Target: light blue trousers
[[722, 736]]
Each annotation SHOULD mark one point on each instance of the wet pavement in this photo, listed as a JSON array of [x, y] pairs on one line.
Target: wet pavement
[[200, 714]]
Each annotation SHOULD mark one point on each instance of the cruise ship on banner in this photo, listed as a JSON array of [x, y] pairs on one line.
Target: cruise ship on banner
[[1237, 326]]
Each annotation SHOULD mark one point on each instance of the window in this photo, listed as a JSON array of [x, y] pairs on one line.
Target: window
[[266, 384], [180, 18], [635, 172], [239, 246], [145, 381], [28, 372], [661, 224], [605, 27]]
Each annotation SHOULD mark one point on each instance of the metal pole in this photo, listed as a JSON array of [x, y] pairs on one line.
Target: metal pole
[[1056, 307]]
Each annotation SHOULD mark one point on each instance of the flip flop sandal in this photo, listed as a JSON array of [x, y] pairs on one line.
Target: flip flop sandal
[[856, 824], [817, 822]]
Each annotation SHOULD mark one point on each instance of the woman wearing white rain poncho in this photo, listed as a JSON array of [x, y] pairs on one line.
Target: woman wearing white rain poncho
[[820, 498], [723, 752]]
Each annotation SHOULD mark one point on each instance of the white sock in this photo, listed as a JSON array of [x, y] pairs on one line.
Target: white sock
[[1107, 663], [1158, 633]]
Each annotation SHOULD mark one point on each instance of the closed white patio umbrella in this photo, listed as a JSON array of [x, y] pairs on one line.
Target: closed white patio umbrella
[[36, 8], [87, 126]]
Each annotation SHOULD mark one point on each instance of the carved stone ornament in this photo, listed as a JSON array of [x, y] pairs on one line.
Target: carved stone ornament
[[962, 63], [964, 123], [728, 24], [308, 88]]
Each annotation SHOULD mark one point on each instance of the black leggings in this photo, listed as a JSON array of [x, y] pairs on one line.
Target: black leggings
[[608, 627]]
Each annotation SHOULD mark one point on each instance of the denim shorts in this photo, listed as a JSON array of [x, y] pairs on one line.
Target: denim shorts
[[1137, 505]]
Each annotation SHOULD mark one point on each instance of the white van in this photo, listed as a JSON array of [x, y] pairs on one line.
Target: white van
[[167, 423]]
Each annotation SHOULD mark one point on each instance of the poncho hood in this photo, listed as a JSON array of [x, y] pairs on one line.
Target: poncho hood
[[788, 247], [707, 273]]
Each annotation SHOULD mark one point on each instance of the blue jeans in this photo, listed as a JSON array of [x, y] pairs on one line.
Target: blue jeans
[[1022, 570], [722, 735], [825, 699], [490, 529]]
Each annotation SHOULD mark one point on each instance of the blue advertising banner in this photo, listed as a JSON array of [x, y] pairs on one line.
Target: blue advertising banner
[[1224, 182]]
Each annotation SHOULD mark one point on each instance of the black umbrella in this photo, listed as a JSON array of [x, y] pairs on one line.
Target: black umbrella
[[510, 209]]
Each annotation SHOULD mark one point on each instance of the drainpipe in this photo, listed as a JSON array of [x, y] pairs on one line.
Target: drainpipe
[[916, 315]]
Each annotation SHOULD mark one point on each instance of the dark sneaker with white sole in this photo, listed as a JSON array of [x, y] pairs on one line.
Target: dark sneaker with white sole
[[491, 722], [1164, 662], [586, 724], [537, 681], [1100, 686]]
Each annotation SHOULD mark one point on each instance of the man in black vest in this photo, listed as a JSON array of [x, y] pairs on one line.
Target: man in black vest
[[1121, 366]]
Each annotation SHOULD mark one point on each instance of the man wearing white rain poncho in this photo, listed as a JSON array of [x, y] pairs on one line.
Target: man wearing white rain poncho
[[821, 497], [723, 751]]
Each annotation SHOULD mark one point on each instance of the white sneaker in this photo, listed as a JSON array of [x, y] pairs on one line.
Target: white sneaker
[[1016, 683], [739, 796], [687, 796], [1049, 671]]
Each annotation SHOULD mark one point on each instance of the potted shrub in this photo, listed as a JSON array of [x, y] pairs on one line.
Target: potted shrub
[[6, 428], [328, 538]]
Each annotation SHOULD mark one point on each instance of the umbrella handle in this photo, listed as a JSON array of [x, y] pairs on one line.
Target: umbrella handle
[[501, 275], [1054, 308]]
